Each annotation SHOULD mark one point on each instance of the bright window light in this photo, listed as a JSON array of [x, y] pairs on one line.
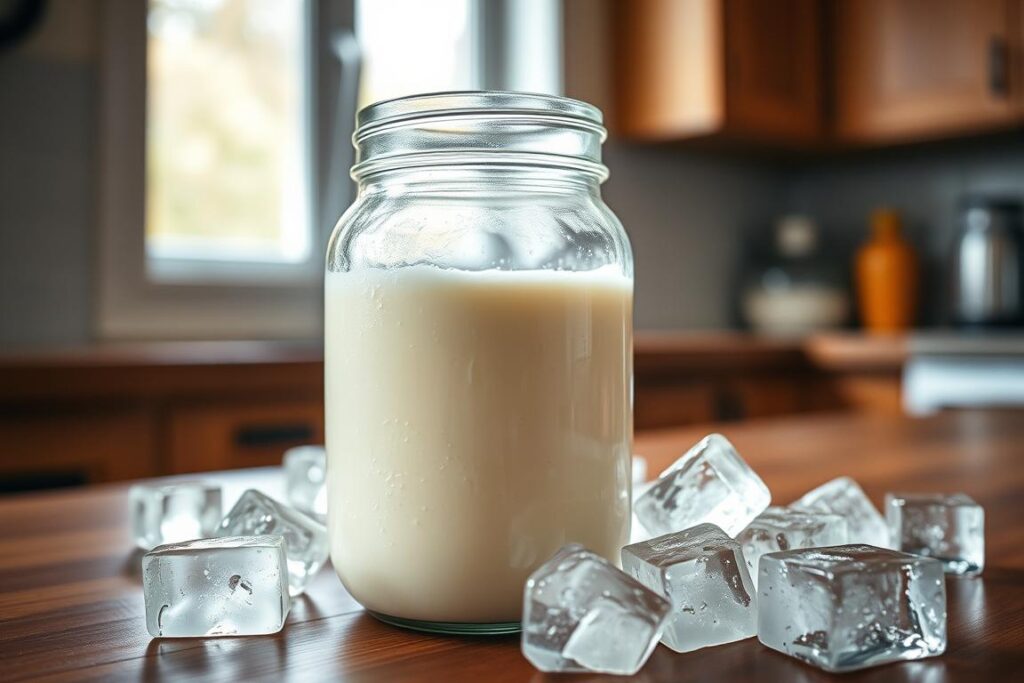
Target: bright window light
[[227, 172], [415, 46]]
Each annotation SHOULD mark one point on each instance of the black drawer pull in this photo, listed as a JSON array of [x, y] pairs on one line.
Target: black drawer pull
[[273, 435], [729, 407], [998, 67]]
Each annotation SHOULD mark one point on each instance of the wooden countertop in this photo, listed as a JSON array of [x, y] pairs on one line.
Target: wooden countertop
[[160, 369], [71, 602], [714, 351], [742, 347]]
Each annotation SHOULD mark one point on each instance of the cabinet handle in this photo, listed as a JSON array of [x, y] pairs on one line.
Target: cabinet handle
[[729, 407], [257, 436], [998, 78]]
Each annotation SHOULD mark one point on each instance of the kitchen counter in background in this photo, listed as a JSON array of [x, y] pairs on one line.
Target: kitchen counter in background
[[684, 378], [122, 411], [841, 351], [687, 378]]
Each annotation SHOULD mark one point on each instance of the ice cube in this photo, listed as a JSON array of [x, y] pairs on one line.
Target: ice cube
[[843, 496], [230, 586], [779, 528], [851, 606], [637, 532], [639, 470], [169, 513], [305, 539], [703, 572], [305, 471], [582, 614], [950, 528], [710, 484]]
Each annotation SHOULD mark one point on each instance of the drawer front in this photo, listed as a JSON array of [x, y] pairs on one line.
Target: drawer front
[[221, 437], [758, 397], [878, 393], [720, 399], [672, 405], [52, 448]]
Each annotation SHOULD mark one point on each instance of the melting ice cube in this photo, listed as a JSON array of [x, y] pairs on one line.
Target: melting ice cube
[[852, 606]]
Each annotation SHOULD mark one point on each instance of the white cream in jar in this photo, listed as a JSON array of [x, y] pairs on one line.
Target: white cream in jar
[[476, 422]]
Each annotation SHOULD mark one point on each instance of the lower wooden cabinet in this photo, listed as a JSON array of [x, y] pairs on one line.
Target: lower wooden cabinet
[[666, 403], [66, 446], [78, 444], [695, 398], [229, 436], [669, 405], [85, 419], [866, 392]]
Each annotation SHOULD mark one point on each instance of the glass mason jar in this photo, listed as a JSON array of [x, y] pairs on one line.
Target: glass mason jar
[[478, 356]]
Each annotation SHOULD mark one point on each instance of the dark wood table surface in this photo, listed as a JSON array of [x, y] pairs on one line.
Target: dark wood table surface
[[71, 601]]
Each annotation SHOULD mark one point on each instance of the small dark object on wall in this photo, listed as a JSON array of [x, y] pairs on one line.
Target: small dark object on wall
[[18, 18]]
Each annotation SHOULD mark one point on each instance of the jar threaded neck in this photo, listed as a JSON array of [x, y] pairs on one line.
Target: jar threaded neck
[[480, 129]]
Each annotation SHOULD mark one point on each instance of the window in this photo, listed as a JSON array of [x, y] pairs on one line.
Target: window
[[211, 166], [227, 165], [411, 46], [224, 142], [416, 46]]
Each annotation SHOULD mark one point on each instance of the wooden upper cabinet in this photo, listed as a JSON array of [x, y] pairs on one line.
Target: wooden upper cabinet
[[806, 72], [913, 69], [737, 68], [773, 68]]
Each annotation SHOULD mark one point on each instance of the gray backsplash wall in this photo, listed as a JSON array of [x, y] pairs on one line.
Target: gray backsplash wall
[[925, 182], [48, 128], [687, 215]]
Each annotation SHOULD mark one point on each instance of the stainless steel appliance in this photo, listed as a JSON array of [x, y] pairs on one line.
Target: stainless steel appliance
[[963, 370], [987, 275]]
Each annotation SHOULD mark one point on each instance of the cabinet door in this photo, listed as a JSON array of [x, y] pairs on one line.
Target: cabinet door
[[668, 68], [773, 69], [75, 445], [912, 69], [233, 435], [672, 404]]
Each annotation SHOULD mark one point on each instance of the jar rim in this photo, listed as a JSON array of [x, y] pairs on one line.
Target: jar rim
[[488, 128], [456, 103]]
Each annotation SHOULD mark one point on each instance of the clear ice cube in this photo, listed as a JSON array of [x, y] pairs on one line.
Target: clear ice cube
[[711, 483], [305, 539], [169, 513], [843, 496], [852, 606], [779, 528], [703, 572], [582, 614], [637, 532], [305, 471], [948, 527], [639, 470], [231, 586]]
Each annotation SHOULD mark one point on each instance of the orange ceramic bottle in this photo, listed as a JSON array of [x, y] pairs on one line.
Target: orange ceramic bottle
[[886, 276]]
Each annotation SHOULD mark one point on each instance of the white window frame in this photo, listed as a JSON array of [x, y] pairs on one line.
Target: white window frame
[[203, 300]]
